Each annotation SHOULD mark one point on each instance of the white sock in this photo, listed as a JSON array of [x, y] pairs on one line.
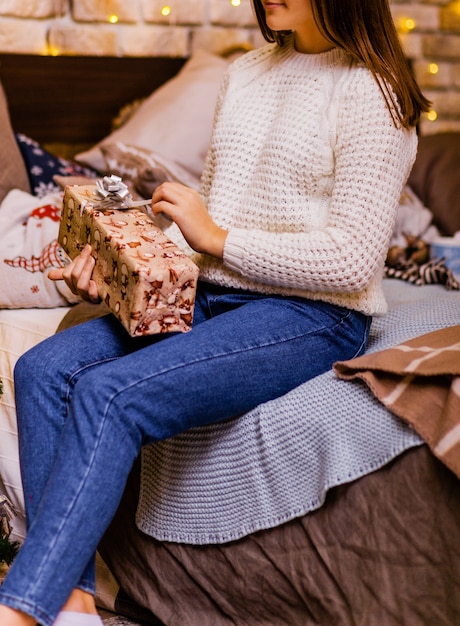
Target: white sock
[[72, 618]]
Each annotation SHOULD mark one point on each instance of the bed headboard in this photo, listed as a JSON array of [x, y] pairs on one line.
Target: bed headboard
[[73, 99]]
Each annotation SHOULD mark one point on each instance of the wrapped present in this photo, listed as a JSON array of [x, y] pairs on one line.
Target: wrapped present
[[142, 276]]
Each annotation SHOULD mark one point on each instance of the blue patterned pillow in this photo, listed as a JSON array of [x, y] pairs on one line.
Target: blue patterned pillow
[[42, 166]]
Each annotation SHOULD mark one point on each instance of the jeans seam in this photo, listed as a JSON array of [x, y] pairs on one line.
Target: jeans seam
[[365, 338], [84, 368]]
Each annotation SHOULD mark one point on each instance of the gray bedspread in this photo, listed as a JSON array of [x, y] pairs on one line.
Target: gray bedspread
[[218, 483]]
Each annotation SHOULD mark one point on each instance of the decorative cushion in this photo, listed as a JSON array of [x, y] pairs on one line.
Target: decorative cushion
[[435, 178], [176, 119], [143, 170], [413, 218], [13, 174], [41, 166], [29, 249]]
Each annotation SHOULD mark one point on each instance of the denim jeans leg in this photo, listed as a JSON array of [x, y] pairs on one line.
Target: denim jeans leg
[[250, 350], [43, 387]]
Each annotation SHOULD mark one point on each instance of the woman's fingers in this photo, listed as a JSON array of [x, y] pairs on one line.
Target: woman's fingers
[[186, 208], [77, 276], [168, 198]]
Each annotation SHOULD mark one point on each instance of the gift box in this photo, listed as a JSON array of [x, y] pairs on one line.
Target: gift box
[[143, 277]]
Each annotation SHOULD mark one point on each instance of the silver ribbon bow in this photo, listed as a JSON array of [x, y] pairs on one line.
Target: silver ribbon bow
[[112, 193]]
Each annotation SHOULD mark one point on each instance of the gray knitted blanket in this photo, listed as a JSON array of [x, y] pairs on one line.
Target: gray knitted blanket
[[217, 483]]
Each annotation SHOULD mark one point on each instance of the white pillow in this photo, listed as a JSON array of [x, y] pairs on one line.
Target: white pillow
[[20, 330], [412, 218], [29, 249], [175, 121]]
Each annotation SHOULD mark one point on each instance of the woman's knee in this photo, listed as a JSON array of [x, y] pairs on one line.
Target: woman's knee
[[32, 365]]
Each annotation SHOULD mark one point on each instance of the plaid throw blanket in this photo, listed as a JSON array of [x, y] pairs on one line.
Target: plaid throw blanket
[[432, 272], [419, 381]]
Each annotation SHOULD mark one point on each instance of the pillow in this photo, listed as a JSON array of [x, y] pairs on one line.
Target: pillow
[[20, 330], [41, 166], [63, 181], [29, 249], [435, 178], [143, 170], [413, 218], [13, 173], [176, 119]]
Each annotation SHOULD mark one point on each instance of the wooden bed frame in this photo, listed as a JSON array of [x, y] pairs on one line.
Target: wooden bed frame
[[47, 102]]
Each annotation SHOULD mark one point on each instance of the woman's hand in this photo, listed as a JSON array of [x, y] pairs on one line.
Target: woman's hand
[[185, 207], [77, 276]]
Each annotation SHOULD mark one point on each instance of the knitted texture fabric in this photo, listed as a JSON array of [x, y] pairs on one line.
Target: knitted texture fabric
[[217, 483], [305, 170]]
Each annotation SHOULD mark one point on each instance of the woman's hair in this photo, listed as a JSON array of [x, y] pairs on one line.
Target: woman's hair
[[365, 29]]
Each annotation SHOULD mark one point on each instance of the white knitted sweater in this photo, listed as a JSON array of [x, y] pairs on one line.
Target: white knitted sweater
[[305, 171]]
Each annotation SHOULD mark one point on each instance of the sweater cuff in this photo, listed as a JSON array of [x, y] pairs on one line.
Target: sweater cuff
[[234, 249]]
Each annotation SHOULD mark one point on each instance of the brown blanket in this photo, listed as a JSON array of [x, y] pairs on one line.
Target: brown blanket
[[419, 381], [384, 550]]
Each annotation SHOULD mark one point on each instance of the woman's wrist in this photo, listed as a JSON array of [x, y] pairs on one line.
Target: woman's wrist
[[215, 243]]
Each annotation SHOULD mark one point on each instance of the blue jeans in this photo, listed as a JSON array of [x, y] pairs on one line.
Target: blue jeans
[[90, 397]]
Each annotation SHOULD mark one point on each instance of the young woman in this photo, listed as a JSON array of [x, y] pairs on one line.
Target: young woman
[[313, 140]]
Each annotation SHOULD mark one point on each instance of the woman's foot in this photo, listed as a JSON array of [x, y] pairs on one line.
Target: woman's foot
[[11, 617], [79, 610], [73, 618], [80, 602]]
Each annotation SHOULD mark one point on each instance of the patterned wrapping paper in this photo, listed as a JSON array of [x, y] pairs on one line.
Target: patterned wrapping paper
[[142, 276]]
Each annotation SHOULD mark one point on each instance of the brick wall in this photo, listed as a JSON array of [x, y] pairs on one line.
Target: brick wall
[[430, 32]]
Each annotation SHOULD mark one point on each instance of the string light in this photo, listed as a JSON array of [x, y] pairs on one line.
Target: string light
[[235, 3], [406, 24], [113, 19], [432, 115], [165, 10], [52, 51], [433, 68]]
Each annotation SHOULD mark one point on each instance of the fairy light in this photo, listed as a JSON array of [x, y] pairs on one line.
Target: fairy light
[[235, 3], [409, 23], [406, 24], [165, 10], [433, 68], [432, 115], [52, 51], [113, 19]]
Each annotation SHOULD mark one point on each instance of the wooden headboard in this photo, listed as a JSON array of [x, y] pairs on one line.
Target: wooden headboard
[[74, 99]]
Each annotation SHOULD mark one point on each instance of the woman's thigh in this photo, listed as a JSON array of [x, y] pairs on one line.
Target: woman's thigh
[[249, 350]]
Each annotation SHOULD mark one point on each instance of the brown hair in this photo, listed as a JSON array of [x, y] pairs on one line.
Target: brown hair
[[365, 29]]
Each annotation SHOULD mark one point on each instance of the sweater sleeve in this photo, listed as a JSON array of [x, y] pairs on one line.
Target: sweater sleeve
[[373, 157]]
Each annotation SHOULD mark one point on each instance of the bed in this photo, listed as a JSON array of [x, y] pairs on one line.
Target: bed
[[377, 544]]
